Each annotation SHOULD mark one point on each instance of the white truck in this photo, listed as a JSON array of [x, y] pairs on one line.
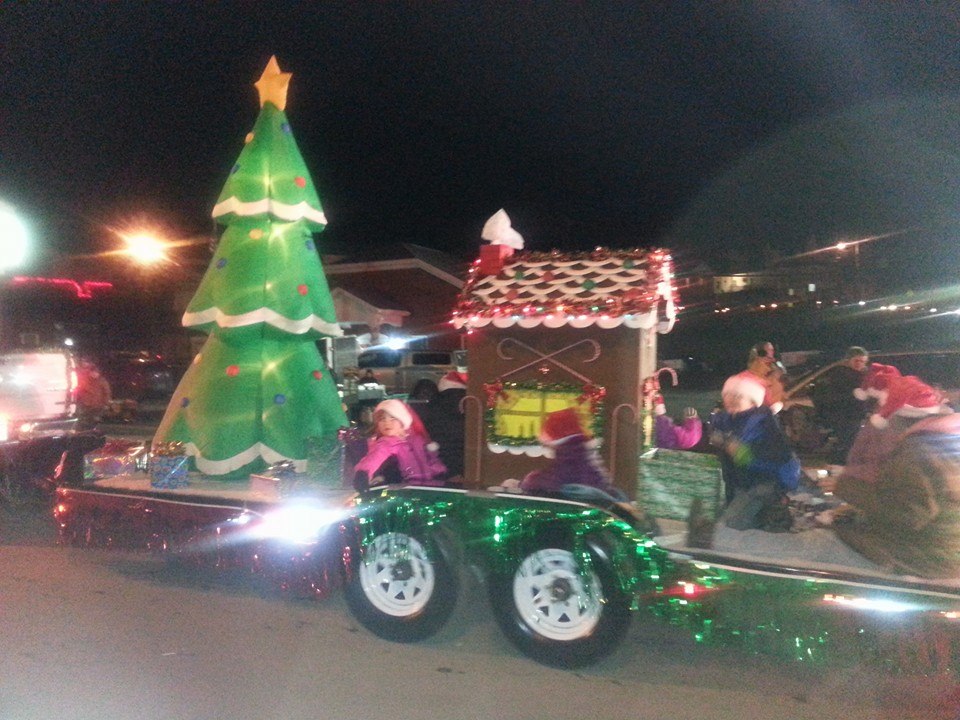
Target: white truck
[[399, 370], [40, 443]]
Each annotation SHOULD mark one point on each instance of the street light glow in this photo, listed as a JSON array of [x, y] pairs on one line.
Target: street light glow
[[145, 249], [14, 239]]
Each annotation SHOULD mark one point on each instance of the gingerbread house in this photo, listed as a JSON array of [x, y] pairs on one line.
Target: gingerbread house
[[549, 330]]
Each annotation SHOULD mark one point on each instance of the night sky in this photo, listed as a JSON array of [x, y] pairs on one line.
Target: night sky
[[731, 132]]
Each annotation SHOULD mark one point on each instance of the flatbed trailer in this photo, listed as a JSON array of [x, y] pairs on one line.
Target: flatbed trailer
[[562, 575]]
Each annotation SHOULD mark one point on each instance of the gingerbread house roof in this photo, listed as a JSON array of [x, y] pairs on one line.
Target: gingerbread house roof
[[605, 288]]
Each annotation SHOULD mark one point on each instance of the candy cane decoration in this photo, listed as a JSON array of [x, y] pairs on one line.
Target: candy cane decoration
[[651, 388], [550, 357]]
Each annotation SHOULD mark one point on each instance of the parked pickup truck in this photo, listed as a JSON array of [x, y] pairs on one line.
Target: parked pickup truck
[[399, 370], [38, 422]]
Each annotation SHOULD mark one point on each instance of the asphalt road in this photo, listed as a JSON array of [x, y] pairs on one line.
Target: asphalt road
[[100, 634]]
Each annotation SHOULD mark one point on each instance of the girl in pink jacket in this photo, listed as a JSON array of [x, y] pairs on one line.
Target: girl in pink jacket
[[400, 450]]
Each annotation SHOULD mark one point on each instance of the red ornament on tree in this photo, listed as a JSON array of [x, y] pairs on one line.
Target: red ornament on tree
[[233, 370]]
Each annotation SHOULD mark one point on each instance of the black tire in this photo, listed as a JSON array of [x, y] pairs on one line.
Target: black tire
[[559, 610], [401, 586]]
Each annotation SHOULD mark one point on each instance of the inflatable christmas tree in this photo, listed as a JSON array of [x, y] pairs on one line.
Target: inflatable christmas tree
[[259, 392]]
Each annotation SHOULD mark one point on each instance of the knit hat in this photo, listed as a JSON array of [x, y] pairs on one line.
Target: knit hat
[[910, 397], [743, 385], [559, 425], [453, 380], [876, 381]]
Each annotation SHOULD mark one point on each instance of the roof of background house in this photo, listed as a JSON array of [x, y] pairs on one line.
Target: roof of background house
[[415, 280], [394, 256]]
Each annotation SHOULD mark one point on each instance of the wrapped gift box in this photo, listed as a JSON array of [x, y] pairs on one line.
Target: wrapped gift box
[[670, 479], [168, 471], [117, 457]]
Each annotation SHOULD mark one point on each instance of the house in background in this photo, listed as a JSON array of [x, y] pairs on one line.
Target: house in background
[[403, 292]]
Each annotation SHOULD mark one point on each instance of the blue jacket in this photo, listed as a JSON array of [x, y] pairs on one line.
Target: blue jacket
[[762, 453]]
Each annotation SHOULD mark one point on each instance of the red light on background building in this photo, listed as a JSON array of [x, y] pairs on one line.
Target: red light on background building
[[83, 289]]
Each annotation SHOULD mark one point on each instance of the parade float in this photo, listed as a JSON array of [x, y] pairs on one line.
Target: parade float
[[245, 471]]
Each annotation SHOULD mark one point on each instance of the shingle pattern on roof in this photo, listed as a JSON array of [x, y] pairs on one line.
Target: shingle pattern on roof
[[604, 287]]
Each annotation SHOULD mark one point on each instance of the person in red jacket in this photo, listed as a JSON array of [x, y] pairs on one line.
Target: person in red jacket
[[93, 394]]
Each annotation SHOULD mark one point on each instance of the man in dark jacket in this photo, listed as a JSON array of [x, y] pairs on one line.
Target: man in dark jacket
[[836, 404], [444, 420]]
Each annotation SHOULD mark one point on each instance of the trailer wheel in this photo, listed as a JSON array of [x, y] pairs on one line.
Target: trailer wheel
[[401, 587], [560, 608]]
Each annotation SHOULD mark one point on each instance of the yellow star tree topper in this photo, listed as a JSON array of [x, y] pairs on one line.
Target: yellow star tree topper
[[273, 85]]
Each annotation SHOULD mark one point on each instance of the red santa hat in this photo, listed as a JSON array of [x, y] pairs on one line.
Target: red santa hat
[[907, 396], [876, 381], [453, 380], [745, 385], [560, 425]]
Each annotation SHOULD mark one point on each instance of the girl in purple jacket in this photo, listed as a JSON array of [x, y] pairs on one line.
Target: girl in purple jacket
[[576, 461], [400, 450]]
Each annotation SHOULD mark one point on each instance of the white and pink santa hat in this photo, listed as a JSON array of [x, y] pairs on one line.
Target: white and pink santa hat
[[408, 418]]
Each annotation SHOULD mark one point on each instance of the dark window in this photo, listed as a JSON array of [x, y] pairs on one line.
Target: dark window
[[379, 358], [430, 358]]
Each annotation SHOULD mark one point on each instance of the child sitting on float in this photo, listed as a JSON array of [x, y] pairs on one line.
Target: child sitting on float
[[670, 436], [400, 450], [759, 467], [576, 461]]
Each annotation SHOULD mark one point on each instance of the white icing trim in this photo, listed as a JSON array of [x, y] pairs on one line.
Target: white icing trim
[[262, 315], [528, 450], [636, 321], [607, 322], [222, 467], [268, 205]]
